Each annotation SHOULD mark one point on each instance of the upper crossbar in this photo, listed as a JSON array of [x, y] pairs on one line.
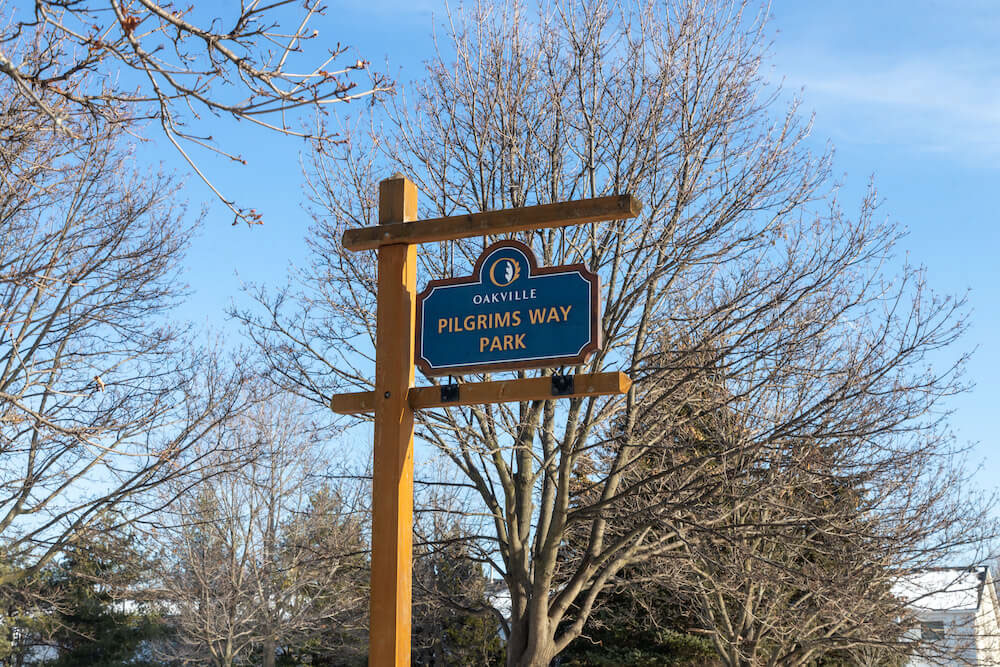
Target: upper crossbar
[[504, 221]]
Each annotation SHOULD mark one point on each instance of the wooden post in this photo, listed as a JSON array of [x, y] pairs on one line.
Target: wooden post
[[392, 474]]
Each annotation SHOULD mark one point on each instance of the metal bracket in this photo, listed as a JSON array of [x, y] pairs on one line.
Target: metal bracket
[[562, 385], [449, 393]]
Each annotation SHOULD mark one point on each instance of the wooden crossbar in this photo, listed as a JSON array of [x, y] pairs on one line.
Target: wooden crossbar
[[501, 391], [505, 221]]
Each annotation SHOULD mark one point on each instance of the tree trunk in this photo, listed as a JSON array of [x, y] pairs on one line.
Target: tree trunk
[[269, 651], [540, 654], [529, 645], [516, 641]]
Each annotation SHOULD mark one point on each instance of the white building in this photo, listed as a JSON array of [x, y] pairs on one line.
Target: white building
[[957, 614]]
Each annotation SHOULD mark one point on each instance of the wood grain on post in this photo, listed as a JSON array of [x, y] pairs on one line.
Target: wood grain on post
[[392, 474], [505, 221]]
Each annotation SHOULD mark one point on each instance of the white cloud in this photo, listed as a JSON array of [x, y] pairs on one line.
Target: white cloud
[[949, 103]]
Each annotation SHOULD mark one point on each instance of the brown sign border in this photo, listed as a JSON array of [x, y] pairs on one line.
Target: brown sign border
[[533, 270]]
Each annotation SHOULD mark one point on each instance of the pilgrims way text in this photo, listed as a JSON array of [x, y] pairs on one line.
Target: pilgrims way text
[[486, 321]]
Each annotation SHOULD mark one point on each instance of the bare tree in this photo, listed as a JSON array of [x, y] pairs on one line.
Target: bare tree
[[261, 556], [102, 396], [129, 62], [742, 264], [800, 541]]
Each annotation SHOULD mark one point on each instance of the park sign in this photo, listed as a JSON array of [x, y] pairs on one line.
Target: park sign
[[508, 314]]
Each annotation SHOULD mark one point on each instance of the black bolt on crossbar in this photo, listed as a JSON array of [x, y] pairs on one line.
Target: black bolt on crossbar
[[562, 385], [449, 393]]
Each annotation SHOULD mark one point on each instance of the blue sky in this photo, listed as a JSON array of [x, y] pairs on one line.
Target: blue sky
[[909, 92], [906, 92]]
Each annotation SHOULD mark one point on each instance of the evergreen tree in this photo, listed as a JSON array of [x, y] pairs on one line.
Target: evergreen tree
[[78, 613], [93, 626], [329, 543], [646, 633], [22, 616], [452, 622]]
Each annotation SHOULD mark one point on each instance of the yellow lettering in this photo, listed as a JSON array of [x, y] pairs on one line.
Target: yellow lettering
[[565, 312], [501, 320], [519, 342], [483, 340], [515, 318], [482, 322], [495, 344], [508, 342], [442, 323], [469, 322], [537, 315]]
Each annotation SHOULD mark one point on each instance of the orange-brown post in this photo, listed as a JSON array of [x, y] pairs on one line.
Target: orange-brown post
[[392, 483]]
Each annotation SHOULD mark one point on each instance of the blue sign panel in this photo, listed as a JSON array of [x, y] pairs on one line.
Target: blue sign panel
[[509, 314]]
